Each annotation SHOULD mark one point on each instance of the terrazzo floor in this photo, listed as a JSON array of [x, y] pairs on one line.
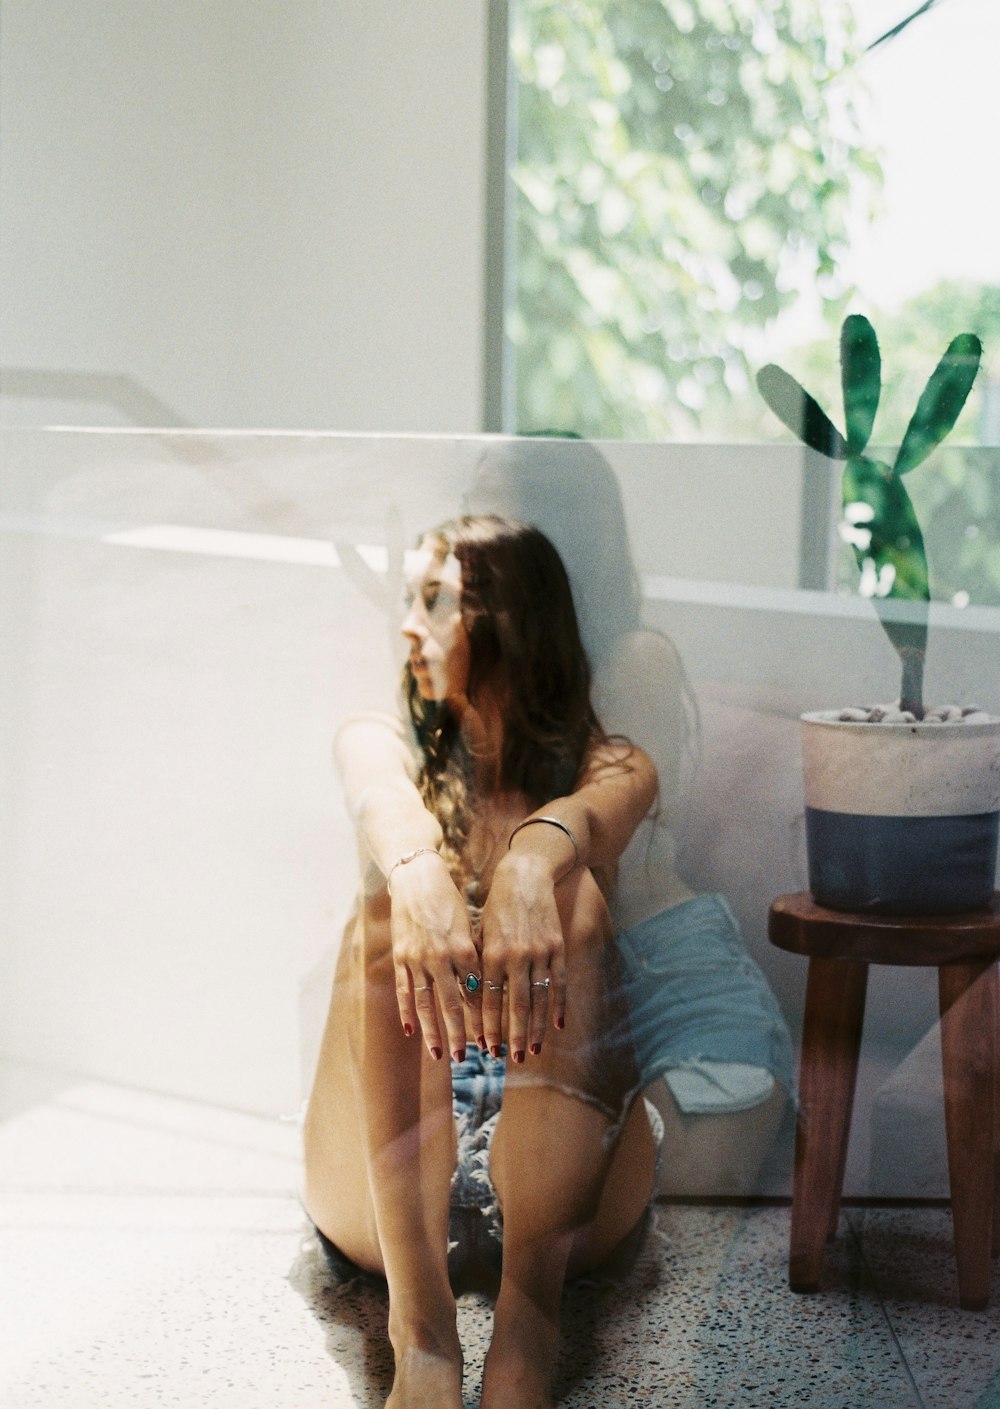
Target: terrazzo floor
[[152, 1252]]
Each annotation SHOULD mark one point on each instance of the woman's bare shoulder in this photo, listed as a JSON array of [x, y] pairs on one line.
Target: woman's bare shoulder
[[376, 740], [372, 722]]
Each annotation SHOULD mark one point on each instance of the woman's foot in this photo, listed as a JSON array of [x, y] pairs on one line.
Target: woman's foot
[[424, 1378], [428, 1366], [521, 1358]]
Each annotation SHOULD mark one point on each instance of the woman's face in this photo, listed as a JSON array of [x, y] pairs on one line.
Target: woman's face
[[433, 626]]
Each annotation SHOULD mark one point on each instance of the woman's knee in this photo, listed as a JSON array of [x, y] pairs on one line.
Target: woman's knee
[[370, 941], [583, 911]]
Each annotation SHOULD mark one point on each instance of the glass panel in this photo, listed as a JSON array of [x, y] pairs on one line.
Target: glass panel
[[187, 618]]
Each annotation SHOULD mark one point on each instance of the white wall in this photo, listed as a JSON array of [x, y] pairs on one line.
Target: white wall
[[263, 213]]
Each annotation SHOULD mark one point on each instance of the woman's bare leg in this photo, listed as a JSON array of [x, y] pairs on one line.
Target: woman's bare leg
[[379, 1154], [567, 1199]]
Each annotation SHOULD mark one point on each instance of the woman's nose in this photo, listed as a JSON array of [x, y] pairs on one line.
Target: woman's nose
[[412, 627]]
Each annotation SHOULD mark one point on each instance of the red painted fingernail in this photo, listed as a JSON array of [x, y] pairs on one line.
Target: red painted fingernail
[[458, 1054], [519, 1057], [495, 1051], [481, 1042], [407, 1030], [436, 1053], [560, 1023], [536, 1047]]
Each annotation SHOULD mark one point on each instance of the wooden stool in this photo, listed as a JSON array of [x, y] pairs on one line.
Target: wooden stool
[[964, 949]]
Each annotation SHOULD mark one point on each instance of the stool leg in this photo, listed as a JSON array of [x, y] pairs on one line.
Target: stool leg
[[828, 1068], [968, 994], [995, 1247]]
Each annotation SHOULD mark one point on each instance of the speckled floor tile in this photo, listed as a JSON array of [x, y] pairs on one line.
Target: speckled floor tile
[[722, 1328], [153, 1253], [149, 1302], [953, 1355], [703, 1319], [765, 1347]]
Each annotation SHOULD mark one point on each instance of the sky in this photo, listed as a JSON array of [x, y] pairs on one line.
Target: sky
[[936, 114]]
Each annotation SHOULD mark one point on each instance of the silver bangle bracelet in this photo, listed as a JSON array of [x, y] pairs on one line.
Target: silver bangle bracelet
[[553, 822], [407, 857]]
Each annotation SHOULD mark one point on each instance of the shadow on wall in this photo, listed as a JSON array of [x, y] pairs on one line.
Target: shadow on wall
[[44, 389]]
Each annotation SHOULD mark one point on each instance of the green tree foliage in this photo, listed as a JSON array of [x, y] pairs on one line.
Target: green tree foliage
[[682, 166]]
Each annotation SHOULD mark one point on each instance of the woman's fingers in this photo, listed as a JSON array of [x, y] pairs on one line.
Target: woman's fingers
[[427, 1016], [437, 963], [525, 999], [518, 1003], [405, 1000], [435, 1003], [492, 1010], [557, 991], [539, 998], [449, 997], [518, 1013], [471, 988]]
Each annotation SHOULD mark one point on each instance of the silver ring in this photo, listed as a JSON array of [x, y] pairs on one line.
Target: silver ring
[[494, 987], [422, 987], [472, 983], [540, 982]]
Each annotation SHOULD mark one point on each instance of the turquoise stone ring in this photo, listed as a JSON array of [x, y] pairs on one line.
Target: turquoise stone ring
[[473, 983]]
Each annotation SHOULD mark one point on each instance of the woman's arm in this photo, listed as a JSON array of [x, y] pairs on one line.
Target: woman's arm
[[522, 936], [378, 772], [431, 935]]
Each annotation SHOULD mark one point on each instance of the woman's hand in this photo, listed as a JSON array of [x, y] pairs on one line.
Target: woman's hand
[[433, 953], [523, 949]]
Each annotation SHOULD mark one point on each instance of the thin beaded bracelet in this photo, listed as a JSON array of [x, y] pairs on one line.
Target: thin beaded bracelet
[[553, 822], [407, 857]]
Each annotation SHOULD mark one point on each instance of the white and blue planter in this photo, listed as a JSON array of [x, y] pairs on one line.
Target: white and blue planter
[[901, 818]]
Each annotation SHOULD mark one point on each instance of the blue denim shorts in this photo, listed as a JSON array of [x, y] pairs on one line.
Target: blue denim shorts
[[476, 1227], [696, 998]]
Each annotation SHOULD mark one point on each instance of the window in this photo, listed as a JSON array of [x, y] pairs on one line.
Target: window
[[698, 187]]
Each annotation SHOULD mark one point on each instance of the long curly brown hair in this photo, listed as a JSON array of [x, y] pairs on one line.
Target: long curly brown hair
[[525, 647]]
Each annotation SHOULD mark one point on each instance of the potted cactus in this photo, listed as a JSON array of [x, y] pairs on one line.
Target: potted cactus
[[902, 801]]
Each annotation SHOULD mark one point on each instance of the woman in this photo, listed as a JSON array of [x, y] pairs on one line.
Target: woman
[[489, 836]]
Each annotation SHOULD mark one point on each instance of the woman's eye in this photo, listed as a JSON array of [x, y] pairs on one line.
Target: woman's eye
[[446, 600]]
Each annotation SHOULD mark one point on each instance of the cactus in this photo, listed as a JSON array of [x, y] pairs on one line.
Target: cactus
[[879, 520]]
